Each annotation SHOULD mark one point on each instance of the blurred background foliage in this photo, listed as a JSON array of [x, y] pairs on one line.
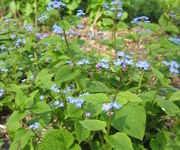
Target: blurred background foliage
[[155, 9]]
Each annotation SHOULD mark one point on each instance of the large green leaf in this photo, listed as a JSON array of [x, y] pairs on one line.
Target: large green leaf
[[66, 73], [56, 140], [96, 87], [160, 76], [40, 107], [21, 139], [124, 97], [95, 98], [120, 141], [131, 119], [81, 132], [93, 125], [13, 122], [43, 79], [73, 112], [169, 107], [175, 96], [21, 98]]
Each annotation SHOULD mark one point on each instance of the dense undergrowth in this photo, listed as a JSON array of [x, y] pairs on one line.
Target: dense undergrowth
[[56, 95]]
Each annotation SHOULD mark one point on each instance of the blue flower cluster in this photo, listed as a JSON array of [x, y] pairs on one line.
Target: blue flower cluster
[[113, 105], [41, 97], [80, 13], [42, 36], [55, 89], [20, 42], [28, 28], [3, 47], [43, 17], [115, 7], [56, 4], [59, 104], [69, 89], [142, 19], [104, 63], [83, 62], [142, 65], [13, 36], [123, 59], [1, 92], [80, 26], [77, 101], [34, 126], [175, 40], [173, 66], [57, 29]]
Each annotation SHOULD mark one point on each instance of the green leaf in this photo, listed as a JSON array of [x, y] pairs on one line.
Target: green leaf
[[93, 125], [175, 96], [43, 79], [107, 22], [120, 141], [168, 107], [21, 98], [73, 112], [21, 139], [95, 98], [28, 9], [56, 140], [12, 7], [124, 97], [65, 25], [66, 73], [81, 132], [76, 147], [131, 119], [13, 122], [40, 107], [96, 87], [160, 76]]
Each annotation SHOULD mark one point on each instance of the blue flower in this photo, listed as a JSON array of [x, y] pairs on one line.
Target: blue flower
[[59, 104], [175, 40], [80, 26], [57, 29], [20, 42], [55, 4], [142, 19], [1, 92], [80, 13], [77, 101], [28, 28], [4, 70], [43, 17], [13, 36], [3, 47], [106, 5], [83, 62], [55, 89], [107, 107], [104, 63], [113, 105], [41, 97], [173, 66], [34, 126], [142, 65], [120, 54]]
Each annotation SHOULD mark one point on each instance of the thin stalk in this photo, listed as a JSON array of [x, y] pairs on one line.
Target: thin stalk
[[35, 15], [114, 98], [70, 55], [140, 82]]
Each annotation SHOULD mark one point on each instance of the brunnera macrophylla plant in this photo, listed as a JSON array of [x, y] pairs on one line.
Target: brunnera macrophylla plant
[[64, 98]]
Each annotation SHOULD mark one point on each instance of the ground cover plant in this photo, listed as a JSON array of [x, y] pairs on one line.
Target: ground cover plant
[[96, 75]]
